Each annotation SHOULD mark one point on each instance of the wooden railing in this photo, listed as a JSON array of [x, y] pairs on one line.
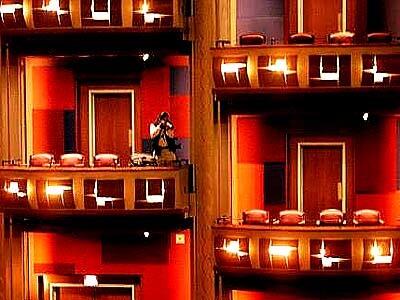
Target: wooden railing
[[305, 249], [95, 188], [300, 66]]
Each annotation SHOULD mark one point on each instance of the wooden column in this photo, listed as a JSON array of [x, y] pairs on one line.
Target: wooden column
[[204, 148], [3, 258], [12, 130]]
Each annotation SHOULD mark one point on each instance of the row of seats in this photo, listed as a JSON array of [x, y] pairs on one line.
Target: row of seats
[[257, 38], [326, 217]]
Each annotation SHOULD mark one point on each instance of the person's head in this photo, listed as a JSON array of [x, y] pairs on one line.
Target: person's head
[[164, 116]]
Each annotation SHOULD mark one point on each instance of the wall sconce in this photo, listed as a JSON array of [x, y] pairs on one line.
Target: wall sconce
[[280, 66], [149, 17], [334, 76], [101, 15], [378, 77], [233, 247], [280, 250], [376, 254], [9, 9], [100, 200], [327, 261], [232, 68], [13, 188], [90, 281]]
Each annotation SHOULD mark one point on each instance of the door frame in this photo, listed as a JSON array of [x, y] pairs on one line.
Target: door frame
[[61, 285], [300, 171], [300, 15], [92, 118]]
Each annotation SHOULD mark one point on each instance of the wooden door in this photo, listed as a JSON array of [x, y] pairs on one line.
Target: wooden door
[[322, 177], [113, 119], [321, 17]]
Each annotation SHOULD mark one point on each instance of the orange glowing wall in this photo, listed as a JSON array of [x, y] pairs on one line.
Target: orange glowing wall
[[375, 160], [257, 142], [53, 92], [168, 280]]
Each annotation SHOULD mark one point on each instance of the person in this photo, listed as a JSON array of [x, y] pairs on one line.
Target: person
[[163, 141]]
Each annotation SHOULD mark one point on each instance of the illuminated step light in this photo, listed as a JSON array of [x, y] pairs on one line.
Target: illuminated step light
[[100, 15], [155, 198], [232, 68], [101, 201], [90, 281], [327, 261], [378, 77], [13, 188], [9, 9], [282, 251], [280, 66], [376, 253], [329, 75], [233, 247], [57, 190], [54, 6], [365, 116], [146, 234], [148, 17]]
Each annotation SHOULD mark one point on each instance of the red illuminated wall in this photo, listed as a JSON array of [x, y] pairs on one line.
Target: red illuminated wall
[[257, 142], [375, 160], [159, 280], [53, 92], [155, 97]]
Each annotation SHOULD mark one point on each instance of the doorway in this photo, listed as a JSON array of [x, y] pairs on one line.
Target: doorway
[[65, 291], [321, 175], [111, 123]]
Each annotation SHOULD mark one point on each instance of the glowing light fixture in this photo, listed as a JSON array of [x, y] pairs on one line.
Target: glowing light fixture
[[233, 247], [377, 257], [146, 234], [327, 261], [145, 56], [13, 188], [378, 77], [231, 68], [101, 15], [90, 281], [156, 198], [365, 116], [282, 251], [280, 66], [329, 75], [9, 9], [148, 17], [57, 190]]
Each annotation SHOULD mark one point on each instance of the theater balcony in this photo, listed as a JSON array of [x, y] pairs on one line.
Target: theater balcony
[[141, 191], [275, 75]]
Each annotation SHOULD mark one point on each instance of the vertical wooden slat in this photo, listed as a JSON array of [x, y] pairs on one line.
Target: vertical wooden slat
[[129, 193], [177, 14], [75, 7], [78, 188], [356, 69], [303, 70], [17, 268], [252, 70], [254, 249], [28, 13], [127, 9], [304, 254], [31, 191], [357, 253]]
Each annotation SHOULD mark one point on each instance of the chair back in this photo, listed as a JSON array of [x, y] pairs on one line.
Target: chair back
[[106, 160], [41, 160], [255, 217], [72, 160]]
